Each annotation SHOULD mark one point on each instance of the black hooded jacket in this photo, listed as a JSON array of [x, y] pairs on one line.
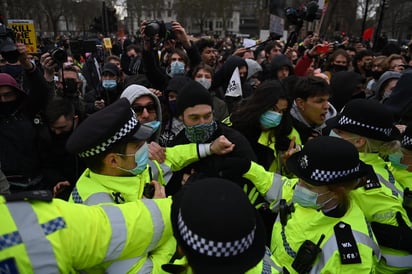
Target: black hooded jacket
[[344, 88], [18, 131], [400, 101]]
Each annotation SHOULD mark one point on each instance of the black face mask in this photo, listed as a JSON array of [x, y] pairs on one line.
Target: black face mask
[[70, 87], [337, 68], [376, 74], [8, 108]]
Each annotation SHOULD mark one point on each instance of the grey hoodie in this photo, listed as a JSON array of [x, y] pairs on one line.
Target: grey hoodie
[[133, 92], [300, 122]]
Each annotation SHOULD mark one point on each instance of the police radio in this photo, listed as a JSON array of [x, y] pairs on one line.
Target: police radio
[[306, 256]]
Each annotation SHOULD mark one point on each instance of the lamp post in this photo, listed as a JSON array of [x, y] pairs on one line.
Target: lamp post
[[365, 15], [379, 27]]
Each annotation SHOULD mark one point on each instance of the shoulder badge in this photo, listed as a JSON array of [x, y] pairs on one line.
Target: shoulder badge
[[348, 250]]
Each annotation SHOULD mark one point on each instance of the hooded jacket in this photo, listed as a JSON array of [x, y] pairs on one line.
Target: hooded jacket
[[302, 126], [344, 88], [133, 92], [18, 131], [277, 63], [400, 101]]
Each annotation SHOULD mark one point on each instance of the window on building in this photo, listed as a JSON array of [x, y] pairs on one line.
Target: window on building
[[219, 24]]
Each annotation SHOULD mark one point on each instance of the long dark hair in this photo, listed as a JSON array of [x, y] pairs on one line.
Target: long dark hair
[[246, 118]]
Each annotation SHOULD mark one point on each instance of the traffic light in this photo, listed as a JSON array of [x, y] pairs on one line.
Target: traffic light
[[112, 19], [97, 25]]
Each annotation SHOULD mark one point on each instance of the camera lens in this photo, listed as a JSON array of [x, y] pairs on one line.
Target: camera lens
[[152, 29], [59, 56]]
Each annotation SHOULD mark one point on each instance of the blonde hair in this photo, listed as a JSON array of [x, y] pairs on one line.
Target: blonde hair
[[384, 148]]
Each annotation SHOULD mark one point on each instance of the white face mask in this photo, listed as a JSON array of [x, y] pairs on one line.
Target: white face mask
[[206, 83]]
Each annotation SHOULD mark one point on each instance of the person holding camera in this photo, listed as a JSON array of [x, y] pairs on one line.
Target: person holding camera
[[19, 121], [180, 59]]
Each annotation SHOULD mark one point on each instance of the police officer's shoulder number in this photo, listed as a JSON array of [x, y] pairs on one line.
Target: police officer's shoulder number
[[348, 250]]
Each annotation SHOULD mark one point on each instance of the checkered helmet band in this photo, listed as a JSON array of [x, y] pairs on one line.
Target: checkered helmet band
[[213, 248], [126, 129], [406, 141], [329, 175], [344, 120]]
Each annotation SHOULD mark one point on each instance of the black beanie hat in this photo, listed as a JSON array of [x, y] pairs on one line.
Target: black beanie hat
[[193, 93]]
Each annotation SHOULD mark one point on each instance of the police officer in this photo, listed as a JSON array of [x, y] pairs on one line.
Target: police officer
[[113, 145], [319, 229], [369, 126], [230, 235], [41, 235]]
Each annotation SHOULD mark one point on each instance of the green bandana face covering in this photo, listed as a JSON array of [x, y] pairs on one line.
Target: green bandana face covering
[[200, 133]]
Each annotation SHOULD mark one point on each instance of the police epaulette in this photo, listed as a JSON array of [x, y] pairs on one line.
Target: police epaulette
[[371, 184], [35, 195]]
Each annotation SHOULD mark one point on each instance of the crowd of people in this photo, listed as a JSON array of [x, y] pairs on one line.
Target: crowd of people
[[181, 155]]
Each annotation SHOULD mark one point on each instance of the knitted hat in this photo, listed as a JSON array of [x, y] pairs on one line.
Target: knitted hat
[[367, 118], [114, 124], [192, 94], [8, 80], [327, 160], [217, 227], [111, 68]]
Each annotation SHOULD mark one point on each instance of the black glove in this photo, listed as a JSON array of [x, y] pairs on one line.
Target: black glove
[[233, 168], [397, 237]]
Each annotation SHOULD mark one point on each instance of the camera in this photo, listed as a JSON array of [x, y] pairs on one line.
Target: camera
[[307, 12], [7, 39], [164, 30], [7, 44], [58, 55]]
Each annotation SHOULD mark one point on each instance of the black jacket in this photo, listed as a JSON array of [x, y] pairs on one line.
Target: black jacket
[[18, 131]]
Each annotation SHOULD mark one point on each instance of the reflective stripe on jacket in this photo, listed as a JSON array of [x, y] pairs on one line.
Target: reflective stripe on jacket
[[310, 224], [60, 237]]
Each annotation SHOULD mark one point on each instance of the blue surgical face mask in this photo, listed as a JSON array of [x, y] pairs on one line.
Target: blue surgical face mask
[[395, 160], [109, 84], [308, 198], [206, 83], [140, 157], [270, 119], [177, 68], [154, 125], [200, 133], [332, 133]]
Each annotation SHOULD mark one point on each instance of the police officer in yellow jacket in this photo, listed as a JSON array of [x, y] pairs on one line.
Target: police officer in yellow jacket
[[53, 236], [218, 230], [112, 144], [369, 126], [318, 228]]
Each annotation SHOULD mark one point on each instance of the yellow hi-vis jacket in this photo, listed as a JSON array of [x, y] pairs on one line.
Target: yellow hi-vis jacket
[[60, 237], [380, 201], [309, 224], [93, 188]]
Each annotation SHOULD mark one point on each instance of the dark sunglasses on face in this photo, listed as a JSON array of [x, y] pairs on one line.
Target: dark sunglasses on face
[[149, 108]]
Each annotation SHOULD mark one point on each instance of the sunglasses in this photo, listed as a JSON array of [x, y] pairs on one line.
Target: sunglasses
[[151, 108]]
